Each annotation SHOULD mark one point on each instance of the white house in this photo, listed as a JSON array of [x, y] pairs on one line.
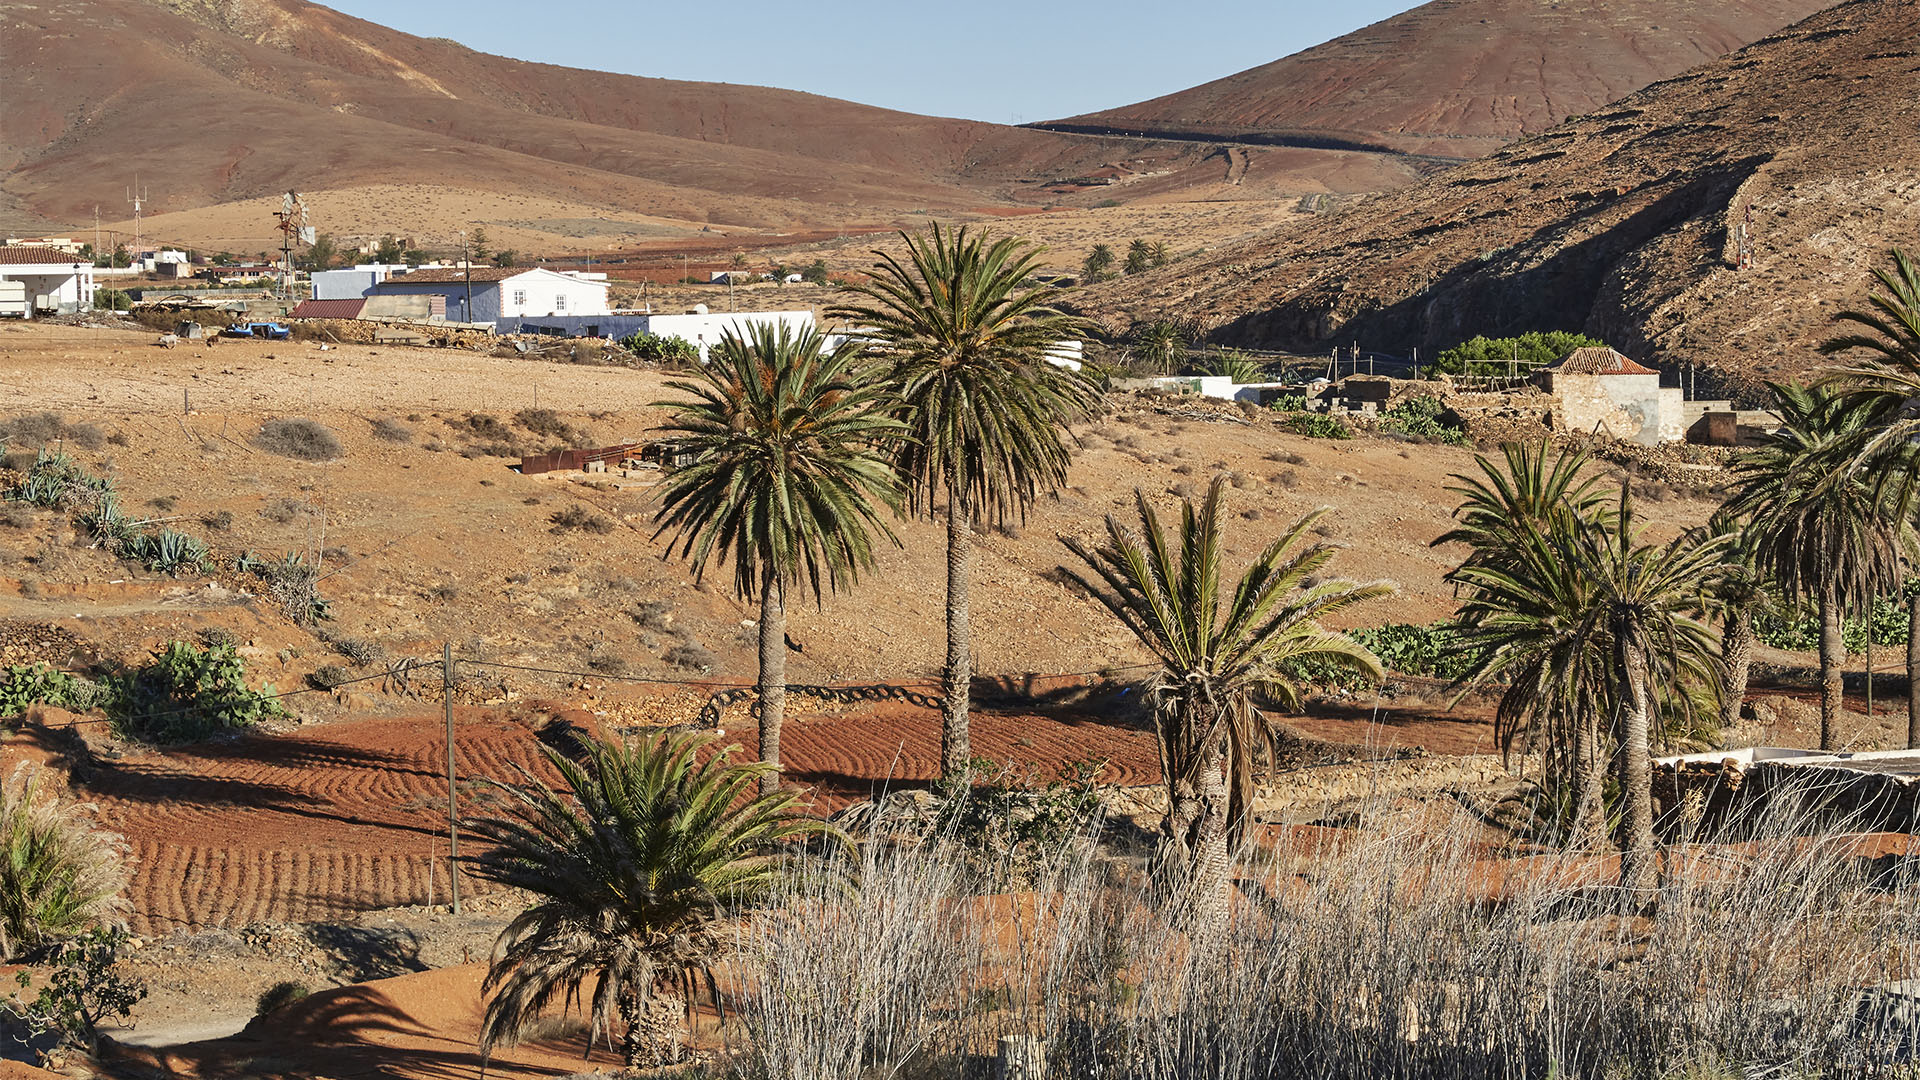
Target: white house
[[705, 330], [54, 280], [489, 294]]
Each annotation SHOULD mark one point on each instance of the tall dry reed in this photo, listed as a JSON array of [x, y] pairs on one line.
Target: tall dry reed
[[1380, 950]]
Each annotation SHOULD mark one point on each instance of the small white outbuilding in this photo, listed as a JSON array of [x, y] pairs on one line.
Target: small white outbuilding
[[54, 280]]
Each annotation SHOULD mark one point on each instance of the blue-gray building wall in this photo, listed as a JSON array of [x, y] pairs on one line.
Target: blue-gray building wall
[[606, 326], [486, 297]]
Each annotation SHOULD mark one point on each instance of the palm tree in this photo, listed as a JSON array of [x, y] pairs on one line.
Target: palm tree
[[791, 464], [1216, 653], [1891, 372], [1538, 488], [1644, 599], [628, 873], [986, 412], [1822, 524], [1555, 688], [1738, 591]]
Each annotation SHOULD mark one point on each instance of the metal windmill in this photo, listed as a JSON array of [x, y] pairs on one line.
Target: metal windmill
[[293, 230]]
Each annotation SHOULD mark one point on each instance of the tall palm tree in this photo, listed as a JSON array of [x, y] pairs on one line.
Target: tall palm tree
[[1217, 652], [966, 342], [791, 464], [1824, 527], [628, 872]]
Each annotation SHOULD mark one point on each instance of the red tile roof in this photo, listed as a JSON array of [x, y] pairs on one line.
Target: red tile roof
[[1599, 360], [328, 309], [37, 256]]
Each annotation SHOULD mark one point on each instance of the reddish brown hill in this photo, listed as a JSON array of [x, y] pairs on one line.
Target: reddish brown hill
[[218, 100], [1625, 223], [1458, 78]]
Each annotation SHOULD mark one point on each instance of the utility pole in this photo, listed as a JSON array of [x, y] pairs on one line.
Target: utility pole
[[136, 195], [466, 312], [1416, 361], [453, 810]]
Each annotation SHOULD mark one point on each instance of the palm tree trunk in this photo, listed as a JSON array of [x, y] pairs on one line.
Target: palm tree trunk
[[1913, 671], [1589, 787], [773, 674], [956, 753], [1636, 775], [1833, 654], [1197, 802], [655, 1030], [1736, 651]]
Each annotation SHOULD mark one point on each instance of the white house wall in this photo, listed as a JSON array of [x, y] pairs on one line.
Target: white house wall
[[70, 290], [543, 292], [705, 331]]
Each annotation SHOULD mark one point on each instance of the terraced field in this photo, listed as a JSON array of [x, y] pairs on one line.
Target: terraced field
[[348, 817]]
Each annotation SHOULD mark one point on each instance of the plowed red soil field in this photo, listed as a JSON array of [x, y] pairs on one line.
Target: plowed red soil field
[[318, 824]]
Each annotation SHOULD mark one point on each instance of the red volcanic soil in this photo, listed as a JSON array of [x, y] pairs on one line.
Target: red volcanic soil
[[321, 823]]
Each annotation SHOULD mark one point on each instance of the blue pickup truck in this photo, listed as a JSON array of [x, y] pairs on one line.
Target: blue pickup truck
[[273, 331]]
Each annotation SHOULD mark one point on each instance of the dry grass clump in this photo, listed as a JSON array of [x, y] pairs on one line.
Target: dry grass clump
[[690, 656], [580, 518], [46, 429], [547, 423], [1391, 951], [387, 429], [300, 439]]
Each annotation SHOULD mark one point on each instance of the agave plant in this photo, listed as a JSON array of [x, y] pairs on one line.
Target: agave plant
[[59, 874], [170, 552]]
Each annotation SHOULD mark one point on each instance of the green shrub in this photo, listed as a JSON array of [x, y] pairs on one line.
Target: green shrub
[[55, 481], [83, 990], [1317, 426], [169, 552], [22, 685], [1798, 629], [59, 874], [1494, 356], [1423, 418], [662, 350], [1288, 403], [112, 300], [279, 996], [185, 693]]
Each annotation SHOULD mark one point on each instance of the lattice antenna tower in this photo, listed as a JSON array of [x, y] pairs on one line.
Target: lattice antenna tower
[[294, 229], [137, 195]]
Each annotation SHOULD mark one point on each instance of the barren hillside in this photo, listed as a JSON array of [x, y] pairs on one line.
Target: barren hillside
[[1456, 78], [1627, 223]]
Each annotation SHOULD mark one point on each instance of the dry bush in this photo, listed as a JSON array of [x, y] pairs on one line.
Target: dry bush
[[1286, 457], [579, 517], [300, 439], [283, 511], [218, 521], [387, 429], [655, 615], [46, 429], [690, 655], [546, 422], [1240, 480]]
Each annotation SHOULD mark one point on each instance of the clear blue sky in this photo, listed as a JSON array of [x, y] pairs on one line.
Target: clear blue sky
[[998, 61]]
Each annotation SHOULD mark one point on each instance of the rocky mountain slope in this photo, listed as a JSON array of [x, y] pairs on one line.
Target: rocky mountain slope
[[1716, 219], [1456, 78]]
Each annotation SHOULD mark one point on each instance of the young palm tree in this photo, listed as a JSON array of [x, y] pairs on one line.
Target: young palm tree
[[1821, 520], [986, 413], [1644, 599], [1556, 688], [1216, 653], [791, 464], [1538, 487], [1737, 593], [629, 872]]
